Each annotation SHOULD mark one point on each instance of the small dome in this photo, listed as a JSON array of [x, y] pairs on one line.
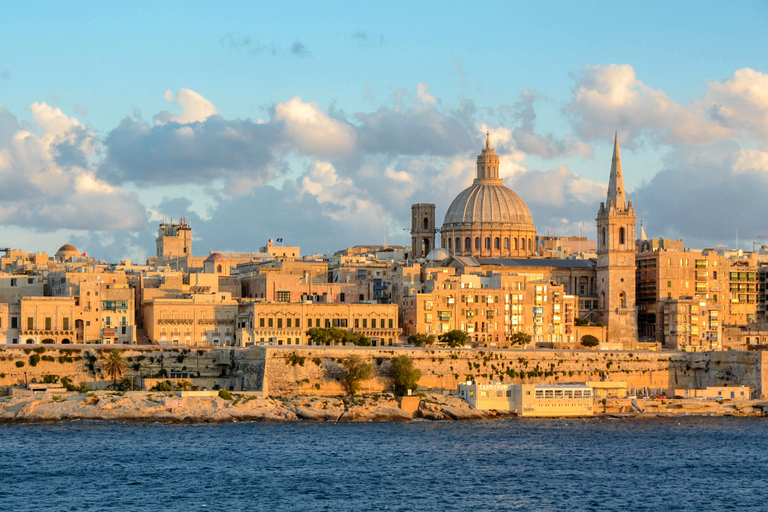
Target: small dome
[[437, 254], [216, 256], [66, 252], [68, 248]]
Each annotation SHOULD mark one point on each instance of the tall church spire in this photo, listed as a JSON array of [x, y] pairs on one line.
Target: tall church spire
[[616, 181]]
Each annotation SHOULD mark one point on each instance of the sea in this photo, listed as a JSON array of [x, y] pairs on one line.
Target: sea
[[660, 464]]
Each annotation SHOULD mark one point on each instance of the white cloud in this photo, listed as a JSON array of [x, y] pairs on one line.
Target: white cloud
[[194, 108], [312, 130], [608, 98], [47, 177]]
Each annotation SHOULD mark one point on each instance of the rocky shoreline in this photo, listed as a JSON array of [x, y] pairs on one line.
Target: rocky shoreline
[[142, 406], [152, 407]]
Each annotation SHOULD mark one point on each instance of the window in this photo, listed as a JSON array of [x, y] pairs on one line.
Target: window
[[288, 322], [365, 323], [65, 323], [309, 323], [269, 322], [467, 244], [373, 323], [391, 322], [506, 243], [261, 322], [488, 243], [283, 296], [47, 323], [14, 322], [342, 297], [298, 322], [14, 281], [477, 243], [621, 235]]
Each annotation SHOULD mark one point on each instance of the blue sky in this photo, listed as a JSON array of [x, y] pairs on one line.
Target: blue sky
[[322, 122]]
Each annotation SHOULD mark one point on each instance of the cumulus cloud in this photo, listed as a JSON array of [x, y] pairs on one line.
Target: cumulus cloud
[[705, 193], [611, 97], [312, 131], [741, 103], [47, 180], [199, 152], [560, 200], [193, 108]]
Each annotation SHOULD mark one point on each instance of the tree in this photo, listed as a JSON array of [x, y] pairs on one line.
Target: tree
[[589, 341], [421, 340], [334, 335], [580, 322], [520, 338], [114, 365], [404, 374], [355, 371], [454, 338]]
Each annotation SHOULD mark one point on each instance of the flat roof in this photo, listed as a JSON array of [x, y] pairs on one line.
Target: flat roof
[[540, 263]]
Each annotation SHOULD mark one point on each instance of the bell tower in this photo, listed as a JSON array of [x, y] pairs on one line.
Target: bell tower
[[422, 229], [616, 259]]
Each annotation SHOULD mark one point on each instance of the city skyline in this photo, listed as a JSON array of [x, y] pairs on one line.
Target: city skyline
[[324, 133]]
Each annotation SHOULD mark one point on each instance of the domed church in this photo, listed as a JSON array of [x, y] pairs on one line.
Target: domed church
[[488, 220]]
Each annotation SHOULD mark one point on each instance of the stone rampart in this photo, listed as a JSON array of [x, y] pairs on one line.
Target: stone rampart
[[314, 370]]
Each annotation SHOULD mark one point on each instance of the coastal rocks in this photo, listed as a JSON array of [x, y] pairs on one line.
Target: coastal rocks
[[312, 414]]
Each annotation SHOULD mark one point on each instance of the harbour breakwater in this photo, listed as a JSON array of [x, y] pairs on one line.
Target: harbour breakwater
[[289, 371]]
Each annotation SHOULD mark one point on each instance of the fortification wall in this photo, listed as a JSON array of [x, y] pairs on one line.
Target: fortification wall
[[311, 370], [82, 364]]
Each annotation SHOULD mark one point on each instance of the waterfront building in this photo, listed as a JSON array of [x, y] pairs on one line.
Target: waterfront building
[[531, 400]]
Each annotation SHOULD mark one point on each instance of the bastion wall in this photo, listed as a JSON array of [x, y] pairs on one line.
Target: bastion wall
[[285, 371]]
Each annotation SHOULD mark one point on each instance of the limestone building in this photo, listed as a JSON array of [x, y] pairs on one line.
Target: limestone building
[[616, 259], [287, 323], [488, 220]]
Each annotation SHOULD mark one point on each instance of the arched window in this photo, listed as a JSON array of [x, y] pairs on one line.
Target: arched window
[[506, 243], [522, 242], [517, 244], [488, 243], [467, 244], [603, 240], [621, 235], [449, 244], [497, 243], [458, 244], [622, 299], [426, 223], [477, 243], [530, 244], [218, 268]]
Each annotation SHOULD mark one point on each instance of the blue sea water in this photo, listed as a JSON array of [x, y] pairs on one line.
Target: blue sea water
[[517, 464]]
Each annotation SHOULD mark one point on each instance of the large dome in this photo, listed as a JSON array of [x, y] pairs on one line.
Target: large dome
[[488, 203], [488, 220]]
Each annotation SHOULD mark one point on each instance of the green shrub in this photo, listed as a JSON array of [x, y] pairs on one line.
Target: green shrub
[[20, 364], [295, 359], [34, 359], [163, 386], [39, 350], [50, 379], [224, 394], [317, 361], [50, 359]]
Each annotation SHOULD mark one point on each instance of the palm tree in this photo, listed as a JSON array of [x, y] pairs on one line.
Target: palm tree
[[114, 365]]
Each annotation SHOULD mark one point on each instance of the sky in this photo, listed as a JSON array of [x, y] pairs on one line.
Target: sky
[[322, 122]]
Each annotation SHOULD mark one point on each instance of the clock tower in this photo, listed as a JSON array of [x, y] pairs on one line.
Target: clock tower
[[616, 260]]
